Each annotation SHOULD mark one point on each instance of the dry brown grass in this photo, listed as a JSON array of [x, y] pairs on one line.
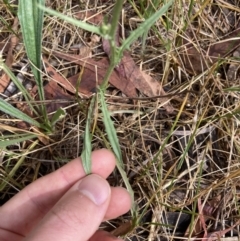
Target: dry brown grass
[[172, 160]]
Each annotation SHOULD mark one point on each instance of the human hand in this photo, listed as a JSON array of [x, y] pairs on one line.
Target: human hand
[[66, 204]]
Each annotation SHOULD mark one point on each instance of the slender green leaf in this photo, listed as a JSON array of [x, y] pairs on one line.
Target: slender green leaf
[[87, 146], [9, 109], [9, 27], [145, 26], [148, 11], [31, 21], [19, 85], [4, 141], [18, 164], [113, 139], [80, 24], [110, 129]]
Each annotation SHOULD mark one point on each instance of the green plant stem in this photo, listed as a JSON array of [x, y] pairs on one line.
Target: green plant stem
[[116, 15], [107, 76], [115, 54]]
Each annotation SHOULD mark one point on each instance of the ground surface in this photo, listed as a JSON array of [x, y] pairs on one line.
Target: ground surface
[[180, 145]]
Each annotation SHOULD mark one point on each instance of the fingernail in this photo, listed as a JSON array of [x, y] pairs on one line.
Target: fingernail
[[95, 188]]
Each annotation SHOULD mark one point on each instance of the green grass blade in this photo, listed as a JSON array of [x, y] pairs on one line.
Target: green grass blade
[[18, 164], [4, 141], [10, 110], [147, 13], [113, 139], [233, 88], [31, 21], [80, 24], [87, 146], [145, 26], [4, 22], [19, 85], [110, 129], [11, 9]]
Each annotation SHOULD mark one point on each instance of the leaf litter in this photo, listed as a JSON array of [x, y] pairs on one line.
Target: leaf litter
[[196, 61], [159, 182]]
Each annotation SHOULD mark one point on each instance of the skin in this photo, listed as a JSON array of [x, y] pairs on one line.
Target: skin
[[61, 205]]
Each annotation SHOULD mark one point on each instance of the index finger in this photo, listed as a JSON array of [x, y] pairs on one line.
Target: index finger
[[37, 199]]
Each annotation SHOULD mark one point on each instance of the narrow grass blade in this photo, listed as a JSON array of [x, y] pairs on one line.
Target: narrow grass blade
[[233, 88], [31, 21], [147, 13], [145, 26], [18, 164], [10, 110], [111, 132], [87, 147], [4, 141], [113, 139], [9, 27], [12, 10], [19, 85], [80, 24]]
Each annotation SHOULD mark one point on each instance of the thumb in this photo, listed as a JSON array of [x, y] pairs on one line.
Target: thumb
[[78, 214]]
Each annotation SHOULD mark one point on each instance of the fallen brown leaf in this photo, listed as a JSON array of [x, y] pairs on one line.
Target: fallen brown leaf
[[4, 78], [57, 77], [55, 93], [98, 69], [196, 60], [86, 49], [86, 82], [128, 69], [123, 229]]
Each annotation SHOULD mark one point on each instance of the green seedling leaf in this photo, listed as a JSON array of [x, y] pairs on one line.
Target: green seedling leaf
[[4, 141], [87, 146], [116, 15], [58, 115], [10, 110], [113, 139], [80, 24], [31, 21], [145, 26]]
